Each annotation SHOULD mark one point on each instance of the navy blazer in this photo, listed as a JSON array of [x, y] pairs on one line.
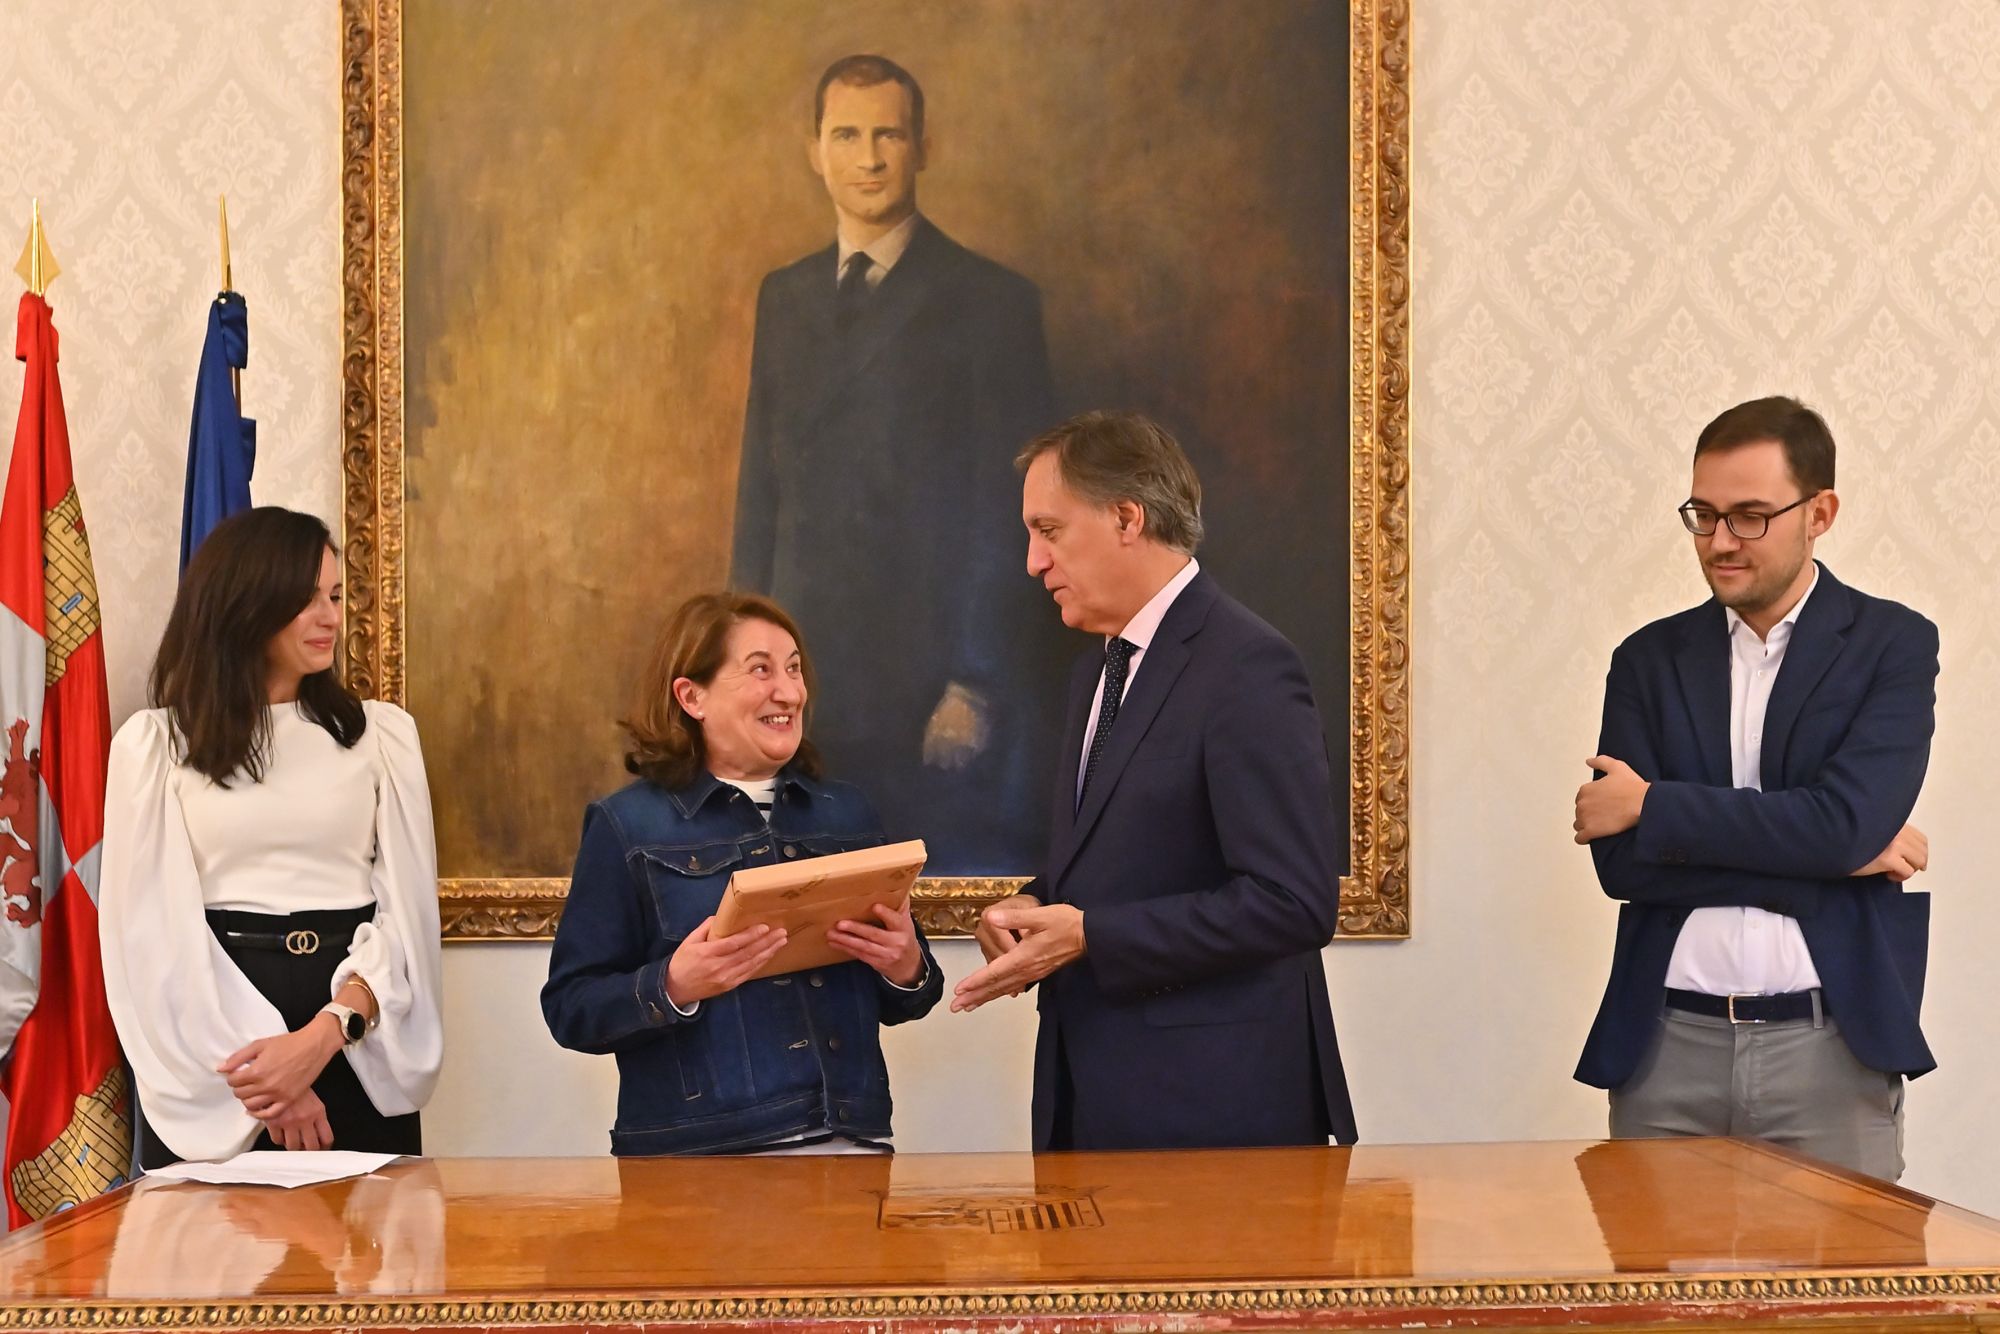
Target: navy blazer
[[1847, 737], [1204, 860]]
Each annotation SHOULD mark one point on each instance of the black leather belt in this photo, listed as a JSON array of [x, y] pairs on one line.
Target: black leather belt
[[294, 933], [1750, 1009]]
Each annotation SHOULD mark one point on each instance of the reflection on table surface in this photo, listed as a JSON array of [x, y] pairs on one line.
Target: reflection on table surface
[[1433, 1213]]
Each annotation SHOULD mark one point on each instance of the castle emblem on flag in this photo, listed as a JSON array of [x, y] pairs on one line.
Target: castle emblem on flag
[[70, 582], [76, 1167]]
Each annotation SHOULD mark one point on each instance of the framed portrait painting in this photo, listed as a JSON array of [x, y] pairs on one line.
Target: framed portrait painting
[[603, 351]]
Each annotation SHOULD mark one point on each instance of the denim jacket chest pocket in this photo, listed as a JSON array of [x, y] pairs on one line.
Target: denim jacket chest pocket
[[686, 883]]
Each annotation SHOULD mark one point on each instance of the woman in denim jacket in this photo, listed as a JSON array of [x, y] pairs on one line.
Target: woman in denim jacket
[[710, 1061]]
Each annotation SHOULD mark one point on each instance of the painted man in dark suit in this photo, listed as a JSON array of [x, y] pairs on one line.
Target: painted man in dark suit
[[1192, 875], [895, 374], [1760, 758]]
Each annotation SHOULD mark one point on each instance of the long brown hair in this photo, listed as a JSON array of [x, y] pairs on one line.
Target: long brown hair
[[667, 745], [248, 580]]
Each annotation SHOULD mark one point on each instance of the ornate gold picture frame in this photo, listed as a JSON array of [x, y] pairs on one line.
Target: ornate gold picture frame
[[1375, 896]]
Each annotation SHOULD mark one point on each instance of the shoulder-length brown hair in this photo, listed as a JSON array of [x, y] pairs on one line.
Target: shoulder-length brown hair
[[248, 580], [666, 744]]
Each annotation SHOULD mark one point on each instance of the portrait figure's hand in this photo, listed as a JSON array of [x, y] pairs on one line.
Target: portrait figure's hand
[[1908, 853], [888, 944], [957, 731], [704, 967]]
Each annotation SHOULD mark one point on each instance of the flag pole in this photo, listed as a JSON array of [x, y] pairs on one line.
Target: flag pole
[[228, 285], [37, 266]]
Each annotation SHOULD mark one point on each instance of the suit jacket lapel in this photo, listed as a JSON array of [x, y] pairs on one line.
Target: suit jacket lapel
[[904, 291], [1082, 685], [1703, 667], [1161, 665], [1817, 639]]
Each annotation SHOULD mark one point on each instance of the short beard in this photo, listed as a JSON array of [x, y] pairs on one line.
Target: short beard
[[1760, 593]]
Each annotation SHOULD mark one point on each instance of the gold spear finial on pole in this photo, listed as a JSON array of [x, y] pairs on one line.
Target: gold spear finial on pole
[[228, 285], [37, 266]]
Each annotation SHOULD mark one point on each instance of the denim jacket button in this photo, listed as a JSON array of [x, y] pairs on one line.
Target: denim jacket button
[[833, 1044], [791, 851], [843, 1114], [817, 980]]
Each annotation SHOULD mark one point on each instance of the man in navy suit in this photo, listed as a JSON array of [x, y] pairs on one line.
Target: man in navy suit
[[894, 374], [1192, 875], [1760, 758]]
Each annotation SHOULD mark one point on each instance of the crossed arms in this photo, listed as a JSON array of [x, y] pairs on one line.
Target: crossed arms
[[1685, 844]]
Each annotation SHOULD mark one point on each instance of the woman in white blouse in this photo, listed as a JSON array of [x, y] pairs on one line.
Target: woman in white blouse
[[269, 885]]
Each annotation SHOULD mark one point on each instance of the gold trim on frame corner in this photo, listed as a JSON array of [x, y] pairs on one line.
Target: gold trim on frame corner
[[1374, 898]]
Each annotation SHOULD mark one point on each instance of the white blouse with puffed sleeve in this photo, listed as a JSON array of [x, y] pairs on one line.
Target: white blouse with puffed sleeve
[[328, 827]]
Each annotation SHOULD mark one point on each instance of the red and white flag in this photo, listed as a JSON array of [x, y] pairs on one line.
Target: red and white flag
[[69, 1126]]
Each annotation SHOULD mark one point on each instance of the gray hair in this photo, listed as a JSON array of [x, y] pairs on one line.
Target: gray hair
[[1111, 457]]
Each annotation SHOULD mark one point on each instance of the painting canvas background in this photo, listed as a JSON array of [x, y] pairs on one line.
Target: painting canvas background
[[590, 204]]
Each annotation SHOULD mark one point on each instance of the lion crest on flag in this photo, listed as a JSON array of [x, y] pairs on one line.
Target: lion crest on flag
[[20, 815]]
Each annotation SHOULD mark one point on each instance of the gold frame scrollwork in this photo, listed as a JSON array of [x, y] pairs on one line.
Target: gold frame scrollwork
[[1375, 897]]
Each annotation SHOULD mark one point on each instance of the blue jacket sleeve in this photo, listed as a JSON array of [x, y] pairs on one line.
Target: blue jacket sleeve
[[1628, 734], [1271, 794], [604, 994], [1845, 816]]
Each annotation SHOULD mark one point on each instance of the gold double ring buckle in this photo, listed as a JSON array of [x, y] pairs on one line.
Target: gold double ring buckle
[[302, 942]]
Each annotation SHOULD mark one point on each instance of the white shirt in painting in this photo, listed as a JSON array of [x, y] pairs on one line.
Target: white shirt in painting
[[328, 827], [883, 251], [1747, 951]]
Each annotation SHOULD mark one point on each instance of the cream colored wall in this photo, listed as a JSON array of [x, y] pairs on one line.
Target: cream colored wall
[[1628, 216]]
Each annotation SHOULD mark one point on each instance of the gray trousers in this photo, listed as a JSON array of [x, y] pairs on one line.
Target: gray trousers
[[1793, 1083]]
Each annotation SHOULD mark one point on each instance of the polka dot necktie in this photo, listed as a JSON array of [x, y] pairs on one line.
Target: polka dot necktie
[[1117, 661]]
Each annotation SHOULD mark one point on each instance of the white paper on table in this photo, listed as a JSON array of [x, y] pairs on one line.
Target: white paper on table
[[268, 1168]]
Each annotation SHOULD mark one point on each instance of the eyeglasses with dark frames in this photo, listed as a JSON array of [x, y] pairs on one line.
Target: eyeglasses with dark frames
[[1749, 525]]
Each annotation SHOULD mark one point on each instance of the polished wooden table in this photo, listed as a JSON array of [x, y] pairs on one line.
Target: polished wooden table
[[1622, 1235]]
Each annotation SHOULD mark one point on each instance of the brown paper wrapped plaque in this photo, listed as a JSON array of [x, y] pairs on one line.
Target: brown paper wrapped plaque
[[806, 898]]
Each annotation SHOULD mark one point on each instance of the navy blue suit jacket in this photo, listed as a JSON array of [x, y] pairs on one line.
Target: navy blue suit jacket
[[1204, 860], [1847, 737]]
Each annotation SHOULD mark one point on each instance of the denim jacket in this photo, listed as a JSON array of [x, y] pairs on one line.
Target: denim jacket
[[776, 1057]]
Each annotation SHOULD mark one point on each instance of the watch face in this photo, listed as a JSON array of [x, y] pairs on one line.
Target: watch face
[[356, 1026]]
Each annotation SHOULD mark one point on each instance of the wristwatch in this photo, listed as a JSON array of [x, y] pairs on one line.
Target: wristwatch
[[353, 1027]]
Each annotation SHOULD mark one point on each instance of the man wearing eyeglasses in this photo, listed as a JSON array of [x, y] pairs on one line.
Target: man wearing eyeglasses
[[1759, 761]]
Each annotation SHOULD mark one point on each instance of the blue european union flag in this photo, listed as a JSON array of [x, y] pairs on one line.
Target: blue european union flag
[[222, 442]]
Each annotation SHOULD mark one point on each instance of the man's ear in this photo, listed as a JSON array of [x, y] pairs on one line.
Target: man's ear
[[1131, 517], [1822, 509]]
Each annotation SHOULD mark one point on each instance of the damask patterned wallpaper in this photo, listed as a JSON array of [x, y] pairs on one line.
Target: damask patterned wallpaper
[[127, 118], [1629, 216]]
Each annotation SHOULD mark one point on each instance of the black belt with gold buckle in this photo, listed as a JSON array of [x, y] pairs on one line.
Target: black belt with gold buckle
[[1750, 1009]]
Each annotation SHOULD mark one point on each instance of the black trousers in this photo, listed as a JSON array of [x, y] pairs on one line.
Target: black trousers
[[298, 984]]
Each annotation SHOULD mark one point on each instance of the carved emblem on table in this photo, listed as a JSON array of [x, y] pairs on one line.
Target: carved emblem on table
[[1051, 1209]]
